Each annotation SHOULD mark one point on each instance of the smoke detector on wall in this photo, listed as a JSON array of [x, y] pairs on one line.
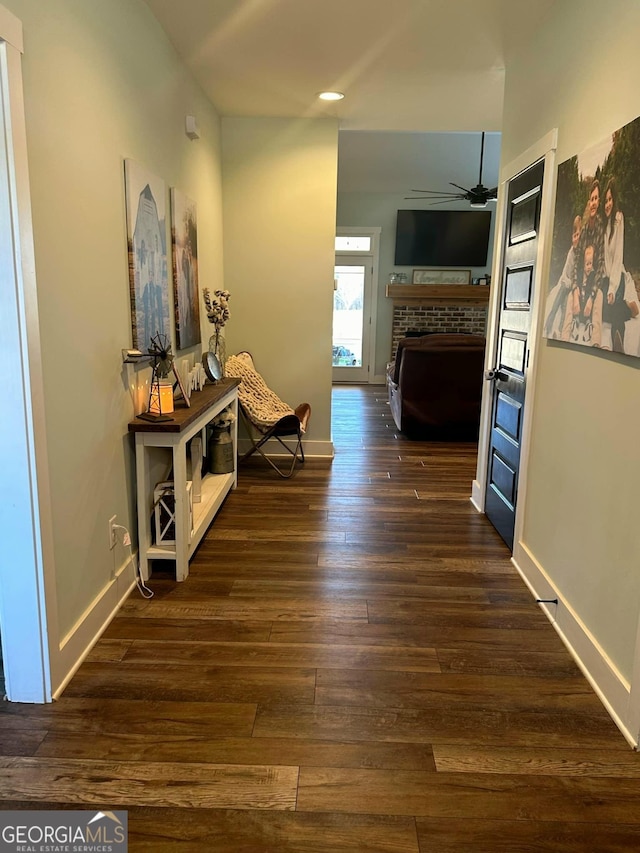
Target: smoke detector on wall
[[191, 128]]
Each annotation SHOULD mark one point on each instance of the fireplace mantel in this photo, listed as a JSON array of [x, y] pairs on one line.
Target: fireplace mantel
[[438, 294]]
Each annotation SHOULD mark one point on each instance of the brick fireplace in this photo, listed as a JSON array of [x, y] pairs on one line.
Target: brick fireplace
[[437, 308]]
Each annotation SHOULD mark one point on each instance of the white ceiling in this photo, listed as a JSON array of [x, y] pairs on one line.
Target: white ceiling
[[399, 162], [404, 66]]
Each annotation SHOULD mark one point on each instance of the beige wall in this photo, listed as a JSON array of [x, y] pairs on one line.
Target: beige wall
[[579, 73], [101, 83], [279, 192]]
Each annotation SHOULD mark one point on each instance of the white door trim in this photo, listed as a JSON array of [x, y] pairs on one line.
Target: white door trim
[[374, 256], [544, 148], [11, 29], [28, 612]]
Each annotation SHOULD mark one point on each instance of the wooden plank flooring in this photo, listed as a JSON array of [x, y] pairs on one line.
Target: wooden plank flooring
[[353, 666]]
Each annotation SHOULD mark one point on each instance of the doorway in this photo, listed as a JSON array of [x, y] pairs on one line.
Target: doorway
[[27, 594], [351, 327], [543, 151], [508, 377], [354, 304]]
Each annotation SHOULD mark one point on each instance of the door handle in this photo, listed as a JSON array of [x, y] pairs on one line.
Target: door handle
[[495, 374]]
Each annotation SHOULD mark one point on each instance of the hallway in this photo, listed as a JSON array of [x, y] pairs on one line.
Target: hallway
[[352, 665]]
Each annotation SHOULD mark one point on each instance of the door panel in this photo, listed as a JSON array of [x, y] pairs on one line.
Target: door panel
[[513, 352], [518, 288], [508, 416], [503, 478], [509, 376]]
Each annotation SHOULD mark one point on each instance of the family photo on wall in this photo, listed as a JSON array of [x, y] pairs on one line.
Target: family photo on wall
[[594, 277]]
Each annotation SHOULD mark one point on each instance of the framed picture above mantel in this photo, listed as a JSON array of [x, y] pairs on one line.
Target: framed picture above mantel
[[437, 276]]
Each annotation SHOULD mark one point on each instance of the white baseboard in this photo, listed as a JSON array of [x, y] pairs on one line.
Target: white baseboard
[[378, 380], [611, 687], [477, 498], [312, 449], [77, 644]]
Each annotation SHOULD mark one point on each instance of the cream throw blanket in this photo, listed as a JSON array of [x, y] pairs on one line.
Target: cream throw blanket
[[261, 404]]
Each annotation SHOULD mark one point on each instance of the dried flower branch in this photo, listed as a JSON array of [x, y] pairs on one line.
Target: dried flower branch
[[217, 307]]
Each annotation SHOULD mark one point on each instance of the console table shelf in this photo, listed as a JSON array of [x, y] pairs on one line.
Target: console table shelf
[[173, 436], [439, 294]]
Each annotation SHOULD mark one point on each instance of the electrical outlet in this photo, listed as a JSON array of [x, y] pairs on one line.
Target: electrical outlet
[[112, 532]]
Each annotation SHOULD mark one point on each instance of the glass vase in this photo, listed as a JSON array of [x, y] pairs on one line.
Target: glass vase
[[218, 347]]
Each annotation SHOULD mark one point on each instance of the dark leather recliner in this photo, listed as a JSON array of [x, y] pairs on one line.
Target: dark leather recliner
[[435, 386]]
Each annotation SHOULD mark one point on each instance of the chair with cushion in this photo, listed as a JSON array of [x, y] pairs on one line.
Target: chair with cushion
[[265, 416]]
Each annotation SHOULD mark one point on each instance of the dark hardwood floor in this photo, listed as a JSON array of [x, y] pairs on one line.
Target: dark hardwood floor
[[352, 665]]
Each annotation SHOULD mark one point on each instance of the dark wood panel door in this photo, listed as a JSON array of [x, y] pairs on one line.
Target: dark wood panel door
[[508, 377]]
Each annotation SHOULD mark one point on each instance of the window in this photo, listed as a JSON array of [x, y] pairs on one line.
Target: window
[[353, 243]]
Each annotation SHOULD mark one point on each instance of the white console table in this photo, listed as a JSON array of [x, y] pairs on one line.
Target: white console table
[[173, 435]]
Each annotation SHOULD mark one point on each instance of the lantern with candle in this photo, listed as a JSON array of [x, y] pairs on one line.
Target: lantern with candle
[[161, 391], [161, 397]]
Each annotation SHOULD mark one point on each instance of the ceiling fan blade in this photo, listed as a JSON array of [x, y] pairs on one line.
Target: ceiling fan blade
[[435, 192], [444, 201], [445, 196], [464, 189]]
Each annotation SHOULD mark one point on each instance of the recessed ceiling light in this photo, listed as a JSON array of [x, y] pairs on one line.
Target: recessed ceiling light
[[330, 96]]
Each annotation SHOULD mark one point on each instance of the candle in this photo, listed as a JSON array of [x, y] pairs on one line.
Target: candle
[[162, 402]]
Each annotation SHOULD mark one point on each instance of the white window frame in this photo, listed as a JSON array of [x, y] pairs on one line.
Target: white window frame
[[372, 254]]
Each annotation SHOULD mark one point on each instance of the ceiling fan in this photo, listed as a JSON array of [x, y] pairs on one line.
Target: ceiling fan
[[478, 196]]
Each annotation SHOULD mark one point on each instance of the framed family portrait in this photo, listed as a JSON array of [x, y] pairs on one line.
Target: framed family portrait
[[433, 276], [593, 299]]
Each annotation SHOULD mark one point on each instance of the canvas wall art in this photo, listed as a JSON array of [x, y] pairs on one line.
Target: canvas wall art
[[147, 246], [184, 244], [593, 298]]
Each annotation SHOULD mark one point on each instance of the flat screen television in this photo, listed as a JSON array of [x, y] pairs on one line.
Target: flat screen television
[[442, 238]]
